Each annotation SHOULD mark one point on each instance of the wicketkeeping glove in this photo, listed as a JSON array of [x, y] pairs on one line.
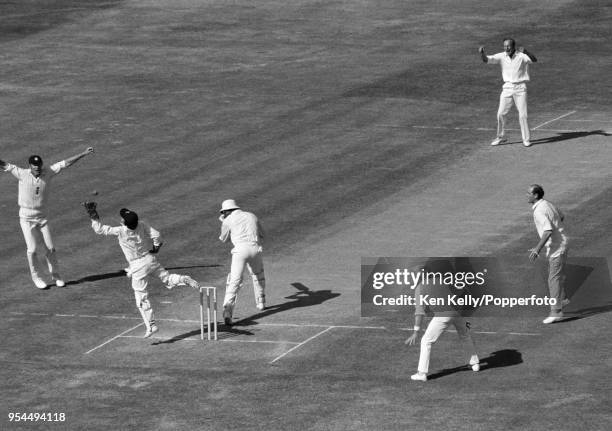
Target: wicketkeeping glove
[[90, 207]]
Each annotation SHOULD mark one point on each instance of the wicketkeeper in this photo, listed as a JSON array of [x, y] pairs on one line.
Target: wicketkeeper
[[139, 242]]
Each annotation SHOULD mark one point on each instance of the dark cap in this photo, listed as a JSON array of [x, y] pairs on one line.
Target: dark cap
[[35, 160], [129, 217]]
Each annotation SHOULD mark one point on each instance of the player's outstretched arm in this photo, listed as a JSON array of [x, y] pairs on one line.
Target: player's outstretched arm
[[483, 56], [75, 158]]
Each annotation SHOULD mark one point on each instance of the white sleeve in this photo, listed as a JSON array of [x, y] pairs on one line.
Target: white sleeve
[[495, 58], [57, 167], [102, 229]]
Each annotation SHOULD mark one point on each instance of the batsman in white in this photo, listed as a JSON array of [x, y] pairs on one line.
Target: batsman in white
[[436, 326], [247, 236], [33, 195], [140, 242], [515, 73]]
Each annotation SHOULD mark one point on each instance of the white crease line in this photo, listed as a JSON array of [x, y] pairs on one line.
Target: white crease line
[[554, 119], [114, 338], [301, 344]]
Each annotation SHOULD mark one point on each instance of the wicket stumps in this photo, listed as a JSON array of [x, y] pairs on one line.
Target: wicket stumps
[[208, 290]]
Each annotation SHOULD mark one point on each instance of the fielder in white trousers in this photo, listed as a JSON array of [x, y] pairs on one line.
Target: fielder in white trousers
[[517, 94], [514, 65], [436, 327]]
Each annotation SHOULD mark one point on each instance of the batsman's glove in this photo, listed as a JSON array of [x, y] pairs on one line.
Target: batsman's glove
[[90, 207]]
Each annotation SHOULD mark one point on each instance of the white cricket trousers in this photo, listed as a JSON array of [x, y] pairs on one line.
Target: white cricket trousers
[[140, 284], [517, 94], [556, 281], [433, 332], [35, 232], [249, 256]]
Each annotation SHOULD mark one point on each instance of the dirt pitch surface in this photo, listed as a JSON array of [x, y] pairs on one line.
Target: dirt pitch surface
[[351, 128]]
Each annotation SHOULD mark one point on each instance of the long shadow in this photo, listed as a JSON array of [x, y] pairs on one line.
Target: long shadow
[[498, 359], [121, 273], [226, 332], [97, 277], [586, 312], [567, 136], [304, 297]]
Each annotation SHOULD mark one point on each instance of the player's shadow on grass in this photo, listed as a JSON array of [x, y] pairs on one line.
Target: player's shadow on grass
[[304, 297], [586, 312], [501, 358], [565, 136], [121, 273]]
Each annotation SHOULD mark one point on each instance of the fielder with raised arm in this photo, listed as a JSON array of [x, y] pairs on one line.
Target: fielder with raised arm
[[139, 242], [246, 235], [34, 184], [515, 73]]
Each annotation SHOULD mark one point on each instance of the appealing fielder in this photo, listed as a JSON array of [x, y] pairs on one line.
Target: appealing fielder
[[436, 326], [33, 195], [515, 73], [246, 235], [139, 242], [549, 225]]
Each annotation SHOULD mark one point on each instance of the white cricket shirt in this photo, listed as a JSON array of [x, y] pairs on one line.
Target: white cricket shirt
[[514, 69], [33, 191], [548, 218]]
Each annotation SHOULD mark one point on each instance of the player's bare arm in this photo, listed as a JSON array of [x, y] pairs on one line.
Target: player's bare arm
[[418, 320], [528, 54], [481, 50], [73, 159], [535, 252]]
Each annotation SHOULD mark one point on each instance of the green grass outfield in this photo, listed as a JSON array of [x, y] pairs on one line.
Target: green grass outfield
[[351, 128]]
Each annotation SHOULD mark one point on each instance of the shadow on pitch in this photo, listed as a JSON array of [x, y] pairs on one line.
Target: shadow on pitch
[[223, 332], [501, 358], [586, 312], [121, 273], [304, 297], [565, 136]]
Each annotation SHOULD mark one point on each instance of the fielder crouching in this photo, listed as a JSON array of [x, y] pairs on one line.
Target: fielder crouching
[[134, 238], [246, 235]]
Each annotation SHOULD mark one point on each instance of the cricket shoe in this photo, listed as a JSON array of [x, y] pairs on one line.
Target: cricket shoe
[[151, 330], [527, 143], [39, 282], [260, 303], [58, 280], [185, 279], [498, 141], [475, 366], [421, 377], [227, 317], [552, 319]]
